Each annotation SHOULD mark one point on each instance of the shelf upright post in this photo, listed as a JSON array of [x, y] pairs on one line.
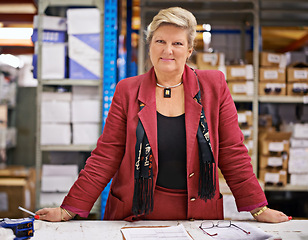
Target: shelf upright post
[[255, 103], [110, 70], [38, 154]]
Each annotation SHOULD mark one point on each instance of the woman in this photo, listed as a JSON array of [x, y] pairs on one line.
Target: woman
[[166, 133]]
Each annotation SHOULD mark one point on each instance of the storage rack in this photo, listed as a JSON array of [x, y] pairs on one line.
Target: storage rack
[[214, 12], [42, 6], [259, 13]]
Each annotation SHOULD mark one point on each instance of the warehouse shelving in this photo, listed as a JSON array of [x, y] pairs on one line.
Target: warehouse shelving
[[42, 7], [258, 13], [219, 12]]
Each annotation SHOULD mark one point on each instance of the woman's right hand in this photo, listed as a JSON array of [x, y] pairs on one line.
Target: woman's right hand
[[53, 214]]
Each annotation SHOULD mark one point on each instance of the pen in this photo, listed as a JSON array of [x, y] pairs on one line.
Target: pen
[[31, 213]]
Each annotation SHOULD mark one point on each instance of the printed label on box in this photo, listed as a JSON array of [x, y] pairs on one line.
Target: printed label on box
[[271, 177], [300, 85], [270, 74], [274, 161], [275, 85], [300, 74], [211, 58], [242, 117], [238, 72], [4, 203], [275, 146], [273, 58], [239, 88]]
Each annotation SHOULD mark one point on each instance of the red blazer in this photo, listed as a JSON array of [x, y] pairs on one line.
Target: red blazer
[[114, 156]]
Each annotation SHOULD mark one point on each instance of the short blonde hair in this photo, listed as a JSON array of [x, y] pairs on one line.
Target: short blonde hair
[[176, 16]]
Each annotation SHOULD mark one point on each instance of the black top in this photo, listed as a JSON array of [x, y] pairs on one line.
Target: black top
[[171, 152]]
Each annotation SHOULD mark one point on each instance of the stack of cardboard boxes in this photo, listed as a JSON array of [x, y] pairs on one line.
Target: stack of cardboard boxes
[[272, 74], [298, 161], [240, 79], [83, 46], [70, 117], [56, 182], [274, 151], [297, 79]]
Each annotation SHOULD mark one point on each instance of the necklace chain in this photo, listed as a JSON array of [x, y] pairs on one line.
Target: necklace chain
[[159, 85]]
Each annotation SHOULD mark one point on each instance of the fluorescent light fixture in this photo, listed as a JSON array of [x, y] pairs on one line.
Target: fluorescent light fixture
[[207, 27], [16, 33], [11, 60]]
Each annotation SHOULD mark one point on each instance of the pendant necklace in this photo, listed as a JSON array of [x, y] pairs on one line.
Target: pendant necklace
[[167, 90]]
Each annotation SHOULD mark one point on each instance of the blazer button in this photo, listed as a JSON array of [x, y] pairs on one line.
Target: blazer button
[[192, 174], [193, 199]]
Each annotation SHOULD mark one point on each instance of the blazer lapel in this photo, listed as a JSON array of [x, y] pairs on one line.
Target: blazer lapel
[[192, 110], [147, 115]]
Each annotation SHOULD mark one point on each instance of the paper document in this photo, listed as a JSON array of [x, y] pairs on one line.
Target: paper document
[[156, 233], [234, 233]]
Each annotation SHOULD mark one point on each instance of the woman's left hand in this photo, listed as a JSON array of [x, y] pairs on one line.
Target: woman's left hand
[[271, 216]]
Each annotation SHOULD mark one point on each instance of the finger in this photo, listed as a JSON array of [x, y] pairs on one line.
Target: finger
[[42, 211]]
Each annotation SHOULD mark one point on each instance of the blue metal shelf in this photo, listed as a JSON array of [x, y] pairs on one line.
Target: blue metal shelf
[[110, 70]]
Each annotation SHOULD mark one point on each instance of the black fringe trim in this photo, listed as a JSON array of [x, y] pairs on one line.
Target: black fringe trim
[[143, 196]]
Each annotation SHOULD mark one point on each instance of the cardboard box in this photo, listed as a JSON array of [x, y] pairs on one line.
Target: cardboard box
[[241, 87], [83, 21], [239, 72], [14, 192], [273, 89], [86, 133], [56, 96], [265, 120], [297, 89], [278, 162], [57, 183], [56, 112], [54, 29], [245, 118], [85, 111], [204, 60], [84, 56], [273, 177], [53, 199], [247, 132], [85, 93], [297, 72], [3, 115], [298, 160], [55, 134], [53, 61], [274, 143], [268, 59], [299, 179], [270, 74], [58, 178], [298, 143], [300, 131]]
